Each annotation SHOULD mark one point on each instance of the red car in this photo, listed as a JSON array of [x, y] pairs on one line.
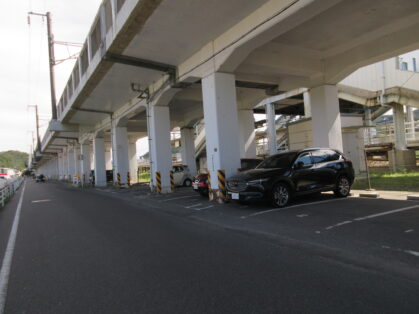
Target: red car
[[200, 184]]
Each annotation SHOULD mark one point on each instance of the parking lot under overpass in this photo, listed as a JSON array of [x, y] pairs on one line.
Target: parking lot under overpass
[[149, 66]]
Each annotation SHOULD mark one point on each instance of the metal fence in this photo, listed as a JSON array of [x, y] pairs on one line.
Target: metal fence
[[8, 189], [385, 134]]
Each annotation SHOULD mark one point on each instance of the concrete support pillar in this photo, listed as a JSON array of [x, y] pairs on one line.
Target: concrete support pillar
[[161, 149], [60, 166], [271, 128], [399, 127], [71, 164], [401, 159], [55, 169], [108, 160], [77, 165], [187, 150], [221, 125], [307, 105], [133, 164], [65, 164], [99, 161], [326, 124], [368, 122], [85, 163], [247, 134], [410, 119], [120, 153]]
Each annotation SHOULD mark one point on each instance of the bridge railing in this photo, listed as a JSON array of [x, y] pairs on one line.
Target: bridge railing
[[8, 189], [384, 134]]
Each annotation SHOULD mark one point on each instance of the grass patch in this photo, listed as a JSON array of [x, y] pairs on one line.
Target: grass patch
[[390, 182], [144, 177]]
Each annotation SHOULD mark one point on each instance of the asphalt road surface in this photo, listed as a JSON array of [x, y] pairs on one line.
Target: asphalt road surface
[[83, 252]]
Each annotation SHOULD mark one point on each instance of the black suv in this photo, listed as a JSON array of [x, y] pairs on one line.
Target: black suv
[[294, 173]]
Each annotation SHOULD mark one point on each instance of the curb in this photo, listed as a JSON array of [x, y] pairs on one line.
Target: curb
[[412, 197], [369, 195]]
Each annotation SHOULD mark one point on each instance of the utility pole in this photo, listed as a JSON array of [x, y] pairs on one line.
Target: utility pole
[[38, 138], [51, 62]]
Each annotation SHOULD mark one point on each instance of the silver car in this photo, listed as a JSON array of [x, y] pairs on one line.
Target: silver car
[[182, 175]]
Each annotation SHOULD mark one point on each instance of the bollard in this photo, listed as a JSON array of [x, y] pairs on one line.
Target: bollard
[[222, 191], [128, 179], [158, 181], [118, 179], [172, 181]]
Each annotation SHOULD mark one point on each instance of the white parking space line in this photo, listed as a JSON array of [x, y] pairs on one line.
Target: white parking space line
[[178, 198], [371, 216], [411, 252], [339, 224], [8, 255], [409, 230], [414, 253], [199, 204], [387, 213], [288, 207], [204, 207]]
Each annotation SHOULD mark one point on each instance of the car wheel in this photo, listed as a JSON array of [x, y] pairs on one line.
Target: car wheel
[[187, 183], [280, 195], [343, 187]]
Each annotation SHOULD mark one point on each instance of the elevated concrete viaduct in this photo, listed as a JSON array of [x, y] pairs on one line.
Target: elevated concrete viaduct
[[150, 65]]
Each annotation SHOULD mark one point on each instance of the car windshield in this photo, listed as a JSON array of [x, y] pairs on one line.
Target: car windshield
[[277, 161]]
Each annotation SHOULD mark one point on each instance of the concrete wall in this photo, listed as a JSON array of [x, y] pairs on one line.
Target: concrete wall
[[371, 77], [300, 135]]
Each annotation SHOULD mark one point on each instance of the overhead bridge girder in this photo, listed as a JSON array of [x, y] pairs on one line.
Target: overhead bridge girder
[[142, 63]]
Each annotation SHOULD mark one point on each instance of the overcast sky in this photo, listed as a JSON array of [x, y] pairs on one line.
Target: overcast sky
[[24, 76]]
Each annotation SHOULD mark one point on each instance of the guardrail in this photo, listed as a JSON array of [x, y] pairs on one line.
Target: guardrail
[[384, 134], [8, 190]]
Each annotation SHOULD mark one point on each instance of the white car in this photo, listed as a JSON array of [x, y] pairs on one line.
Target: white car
[[182, 176]]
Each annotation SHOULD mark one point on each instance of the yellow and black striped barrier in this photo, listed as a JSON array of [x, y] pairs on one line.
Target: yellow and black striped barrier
[[172, 181], [222, 191], [158, 181], [118, 179], [210, 193], [128, 179]]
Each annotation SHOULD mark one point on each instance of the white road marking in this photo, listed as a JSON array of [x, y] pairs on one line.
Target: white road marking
[[414, 253], [41, 201], [204, 207], [302, 215], [288, 207], [387, 213], [199, 204], [8, 255], [411, 252], [339, 224], [371, 216], [177, 198], [408, 231]]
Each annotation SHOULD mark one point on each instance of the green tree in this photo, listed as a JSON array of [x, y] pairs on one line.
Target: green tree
[[13, 159]]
